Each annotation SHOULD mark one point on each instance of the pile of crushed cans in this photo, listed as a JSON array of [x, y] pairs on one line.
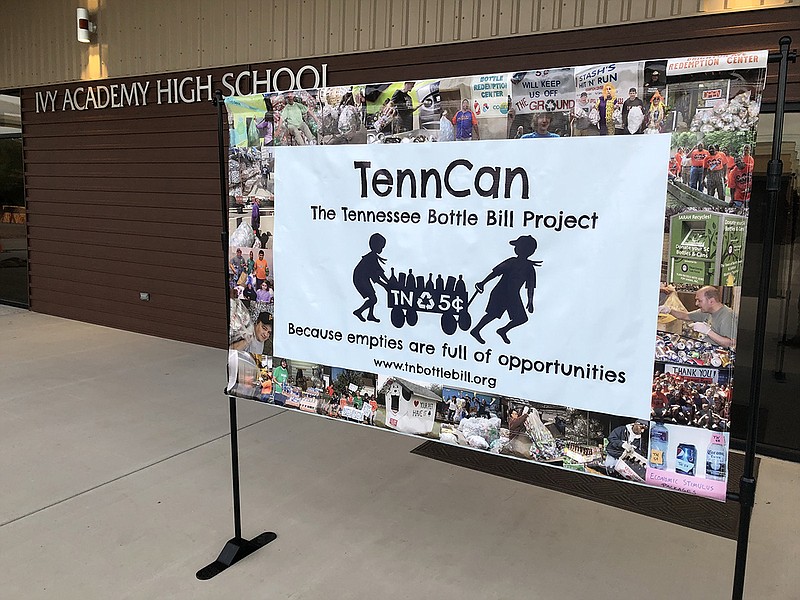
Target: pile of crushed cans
[[683, 350]]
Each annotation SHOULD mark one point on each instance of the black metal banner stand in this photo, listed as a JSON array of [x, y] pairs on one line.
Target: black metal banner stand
[[747, 484], [237, 547]]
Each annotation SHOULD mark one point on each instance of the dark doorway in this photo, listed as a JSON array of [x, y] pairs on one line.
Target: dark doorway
[[13, 235]]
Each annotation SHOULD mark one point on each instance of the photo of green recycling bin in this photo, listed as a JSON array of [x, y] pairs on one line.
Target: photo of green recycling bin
[[706, 248]]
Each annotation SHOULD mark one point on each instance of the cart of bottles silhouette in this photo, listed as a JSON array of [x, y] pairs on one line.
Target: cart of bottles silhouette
[[409, 295]]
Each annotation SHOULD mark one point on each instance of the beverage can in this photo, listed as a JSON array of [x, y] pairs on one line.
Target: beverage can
[[686, 459]]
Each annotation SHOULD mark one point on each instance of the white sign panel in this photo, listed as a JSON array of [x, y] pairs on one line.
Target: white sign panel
[[593, 78], [546, 90], [499, 265], [490, 95], [726, 62], [689, 372]]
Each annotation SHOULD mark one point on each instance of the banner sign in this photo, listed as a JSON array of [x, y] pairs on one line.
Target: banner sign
[[412, 213], [551, 90], [728, 62], [561, 289], [491, 94], [592, 79]]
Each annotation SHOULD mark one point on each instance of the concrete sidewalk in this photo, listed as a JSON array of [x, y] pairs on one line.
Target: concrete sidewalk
[[115, 472]]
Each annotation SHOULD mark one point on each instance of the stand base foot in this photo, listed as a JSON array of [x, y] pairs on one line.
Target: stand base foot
[[234, 551]]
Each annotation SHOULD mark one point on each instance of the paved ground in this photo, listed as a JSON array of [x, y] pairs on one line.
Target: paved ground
[[114, 466]]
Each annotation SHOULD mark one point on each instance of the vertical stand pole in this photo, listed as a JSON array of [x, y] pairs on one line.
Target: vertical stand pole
[[237, 547], [747, 484], [237, 501]]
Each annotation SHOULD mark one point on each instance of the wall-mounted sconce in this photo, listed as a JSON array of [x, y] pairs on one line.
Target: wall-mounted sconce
[[85, 26]]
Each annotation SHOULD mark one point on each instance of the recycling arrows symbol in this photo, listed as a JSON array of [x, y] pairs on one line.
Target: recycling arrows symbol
[[425, 301], [550, 105]]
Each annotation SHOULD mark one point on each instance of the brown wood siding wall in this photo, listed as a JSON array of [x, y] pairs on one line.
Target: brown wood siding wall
[[127, 200], [122, 201]]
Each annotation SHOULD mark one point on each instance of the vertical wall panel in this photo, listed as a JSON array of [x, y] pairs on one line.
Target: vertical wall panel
[[401, 35], [439, 22], [212, 33], [295, 25], [335, 24], [570, 14], [456, 10], [548, 16], [413, 22], [526, 15], [377, 26], [502, 18], [358, 23], [427, 22], [477, 27], [308, 29], [637, 11]]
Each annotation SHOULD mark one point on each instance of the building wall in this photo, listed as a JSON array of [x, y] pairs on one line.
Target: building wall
[[121, 202], [127, 200], [38, 37]]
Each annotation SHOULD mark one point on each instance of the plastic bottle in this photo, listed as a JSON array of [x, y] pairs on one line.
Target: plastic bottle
[[461, 287], [716, 458], [659, 440], [411, 281]]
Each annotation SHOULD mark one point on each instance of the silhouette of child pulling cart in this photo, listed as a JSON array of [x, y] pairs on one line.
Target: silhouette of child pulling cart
[[514, 272]]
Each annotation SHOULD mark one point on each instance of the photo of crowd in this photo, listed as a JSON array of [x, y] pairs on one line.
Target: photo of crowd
[[252, 300], [713, 121], [323, 390], [456, 405], [720, 172], [692, 399]]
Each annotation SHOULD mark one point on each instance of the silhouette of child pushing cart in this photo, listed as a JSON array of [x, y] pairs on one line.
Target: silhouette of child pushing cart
[[368, 270]]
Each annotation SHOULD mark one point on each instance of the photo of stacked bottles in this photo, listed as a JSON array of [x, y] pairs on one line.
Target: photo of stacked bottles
[[688, 459], [411, 294]]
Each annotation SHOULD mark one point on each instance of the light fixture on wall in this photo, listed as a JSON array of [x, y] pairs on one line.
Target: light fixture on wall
[[85, 26]]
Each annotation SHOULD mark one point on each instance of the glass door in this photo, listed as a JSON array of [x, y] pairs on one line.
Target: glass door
[[13, 235]]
